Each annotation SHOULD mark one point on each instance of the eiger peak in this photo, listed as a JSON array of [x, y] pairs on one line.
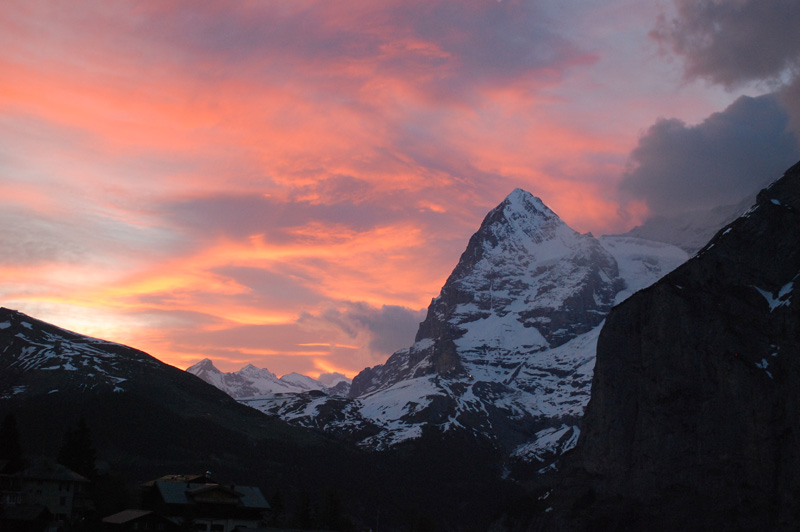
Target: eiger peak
[[506, 351]]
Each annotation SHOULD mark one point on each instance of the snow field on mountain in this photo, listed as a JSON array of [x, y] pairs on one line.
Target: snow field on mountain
[[641, 262]]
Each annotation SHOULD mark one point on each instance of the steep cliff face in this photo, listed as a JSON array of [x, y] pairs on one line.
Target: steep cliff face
[[694, 417]]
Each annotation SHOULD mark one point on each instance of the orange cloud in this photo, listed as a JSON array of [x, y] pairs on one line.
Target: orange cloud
[[360, 145]]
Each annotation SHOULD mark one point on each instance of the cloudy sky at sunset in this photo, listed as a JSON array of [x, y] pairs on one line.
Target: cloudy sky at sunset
[[289, 183]]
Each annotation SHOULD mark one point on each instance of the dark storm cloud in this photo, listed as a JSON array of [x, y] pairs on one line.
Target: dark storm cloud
[[735, 41], [678, 168], [790, 98], [733, 153]]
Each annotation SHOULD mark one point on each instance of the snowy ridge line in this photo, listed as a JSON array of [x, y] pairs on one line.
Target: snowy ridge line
[[251, 382]]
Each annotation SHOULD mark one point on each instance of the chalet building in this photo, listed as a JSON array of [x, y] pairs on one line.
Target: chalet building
[[45, 492], [210, 506]]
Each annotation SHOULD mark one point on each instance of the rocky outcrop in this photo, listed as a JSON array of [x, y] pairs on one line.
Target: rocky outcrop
[[694, 417]]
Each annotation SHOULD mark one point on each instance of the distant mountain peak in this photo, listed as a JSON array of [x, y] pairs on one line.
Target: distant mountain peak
[[251, 381], [253, 371], [204, 365], [523, 249]]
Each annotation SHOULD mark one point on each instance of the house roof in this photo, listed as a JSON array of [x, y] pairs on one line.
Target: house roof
[[125, 516], [203, 488], [49, 470], [186, 479], [180, 493]]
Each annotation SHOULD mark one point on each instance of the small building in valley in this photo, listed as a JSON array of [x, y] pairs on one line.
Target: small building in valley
[[208, 505], [45, 495]]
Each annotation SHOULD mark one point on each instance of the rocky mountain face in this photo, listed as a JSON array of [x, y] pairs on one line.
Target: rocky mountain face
[[507, 349], [251, 381], [694, 420]]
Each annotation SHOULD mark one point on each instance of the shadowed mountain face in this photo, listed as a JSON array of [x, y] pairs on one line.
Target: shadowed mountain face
[[694, 419]]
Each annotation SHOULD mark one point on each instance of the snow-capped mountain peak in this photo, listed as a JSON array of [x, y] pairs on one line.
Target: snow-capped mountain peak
[[205, 365], [507, 348], [528, 215], [302, 381]]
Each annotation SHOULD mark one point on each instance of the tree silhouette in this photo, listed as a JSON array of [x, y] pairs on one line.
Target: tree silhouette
[[10, 448], [331, 513], [77, 451], [276, 506], [304, 512]]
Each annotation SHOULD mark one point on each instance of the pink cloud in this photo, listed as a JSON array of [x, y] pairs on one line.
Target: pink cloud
[[239, 180]]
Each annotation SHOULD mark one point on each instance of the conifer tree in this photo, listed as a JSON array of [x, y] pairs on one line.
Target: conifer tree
[[77, 451], [10, 447], [332, 517], [276, 506], [304, 513]]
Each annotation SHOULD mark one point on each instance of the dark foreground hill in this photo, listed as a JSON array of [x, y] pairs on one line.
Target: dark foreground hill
[[145, 415], [148, 419], [694, 418]]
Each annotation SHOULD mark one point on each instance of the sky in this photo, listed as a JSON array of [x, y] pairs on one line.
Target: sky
[[289, 183]]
